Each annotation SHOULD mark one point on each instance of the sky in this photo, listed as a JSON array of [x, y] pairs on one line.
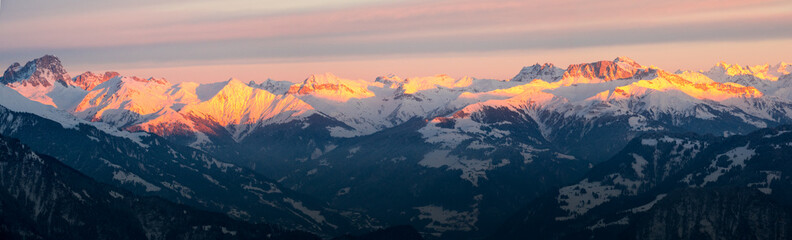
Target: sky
[[210, 41]]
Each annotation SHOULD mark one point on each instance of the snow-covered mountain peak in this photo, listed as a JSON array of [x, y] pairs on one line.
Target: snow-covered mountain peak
[[783, 68], [238, 103], [43, 80], [416, 84], [547, 72], [226, 91], [234, 82], [330, 87], [601, 71], [701, 89], [764, 77], [625, 60], [730, 69], [731, 72], [324, 78], [88, 80], [44, 71], [273, 86], [134, 82], [390, 80], [124, 101]]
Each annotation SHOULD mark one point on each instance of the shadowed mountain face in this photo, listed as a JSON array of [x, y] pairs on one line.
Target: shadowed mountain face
[[452, 157], [40, 198], [149, 165], [673, 186], [717, 213]]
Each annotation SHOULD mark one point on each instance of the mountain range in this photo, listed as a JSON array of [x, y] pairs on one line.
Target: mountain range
[[452, 157]]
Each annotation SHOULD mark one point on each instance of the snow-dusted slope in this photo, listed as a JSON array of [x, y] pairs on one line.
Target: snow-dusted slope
[[237, 104], [12, 100], [329, 87], [157, 106], [124, 101]]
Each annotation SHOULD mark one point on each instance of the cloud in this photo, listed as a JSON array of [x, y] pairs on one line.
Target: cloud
[[189, 22], [139, 31]]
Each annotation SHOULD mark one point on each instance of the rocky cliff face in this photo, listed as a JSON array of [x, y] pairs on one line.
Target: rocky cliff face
[[89, 80], [602, 71], [38, 72]]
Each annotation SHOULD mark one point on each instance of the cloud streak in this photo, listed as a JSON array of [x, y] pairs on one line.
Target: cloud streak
[[247, 29]]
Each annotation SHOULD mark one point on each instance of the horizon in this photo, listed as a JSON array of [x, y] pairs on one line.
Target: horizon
[[205, 41], [73, 73]]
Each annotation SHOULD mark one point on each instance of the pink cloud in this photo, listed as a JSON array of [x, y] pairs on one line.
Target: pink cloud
[[408, 20]]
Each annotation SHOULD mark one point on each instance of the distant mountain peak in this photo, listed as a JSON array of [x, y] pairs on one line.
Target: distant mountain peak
[[738, 73], [88, 80], [731, 69], [330, 86], [698, 87], [235, 81], [416, 84], [390, 79], [601, 71], [43, 71], [624, 59], [547, 72], [783, 68], [323, 78]]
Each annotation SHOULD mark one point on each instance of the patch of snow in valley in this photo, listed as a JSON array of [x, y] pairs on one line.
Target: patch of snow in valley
[[764, 187], [601, 223], [125, 177], [472, 169], [114, 194], [639, 165], [580, 198], [737, 157], [313, 214], [442, 220], [646, 207], [649, 142]]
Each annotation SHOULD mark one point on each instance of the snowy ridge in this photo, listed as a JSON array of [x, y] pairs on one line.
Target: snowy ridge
[[14, 101], [329, 87], [620, 87], [237, 104], [547, 72], [89, 80], [155, 105]]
